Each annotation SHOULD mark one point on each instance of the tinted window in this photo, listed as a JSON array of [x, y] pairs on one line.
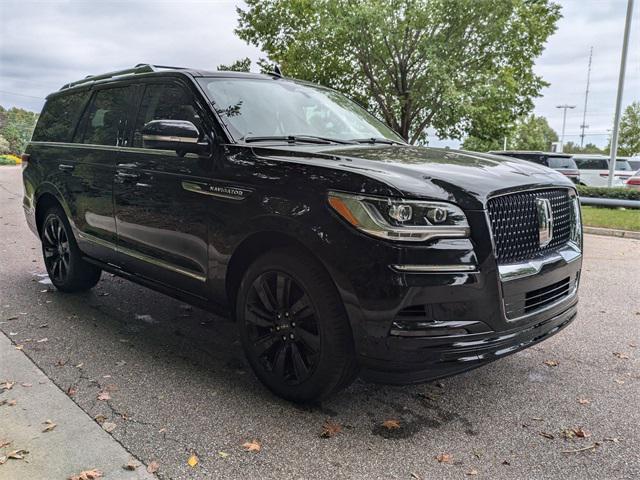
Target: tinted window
[[105, 121], [561, 162], [623, 165], [592, 163], [59, 116], [165, 102]]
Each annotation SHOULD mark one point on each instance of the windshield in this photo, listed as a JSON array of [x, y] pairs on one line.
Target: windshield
[[264, 108], [562, 162]]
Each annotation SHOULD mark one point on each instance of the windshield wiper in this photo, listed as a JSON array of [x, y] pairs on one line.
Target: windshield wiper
[[294, 139], [378, 140]]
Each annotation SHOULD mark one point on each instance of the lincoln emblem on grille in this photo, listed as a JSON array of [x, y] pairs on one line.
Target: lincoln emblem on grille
[[545, 221]]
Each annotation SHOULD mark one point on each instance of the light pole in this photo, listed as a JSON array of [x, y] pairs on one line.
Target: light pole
[[616, 118], [564, 122]]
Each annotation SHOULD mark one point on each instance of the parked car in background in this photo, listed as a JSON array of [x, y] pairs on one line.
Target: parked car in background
[[594, 170], [561, 162], [634, 162], [634, 182]]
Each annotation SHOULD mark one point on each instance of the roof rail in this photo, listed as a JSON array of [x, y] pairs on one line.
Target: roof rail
[[139, 68]]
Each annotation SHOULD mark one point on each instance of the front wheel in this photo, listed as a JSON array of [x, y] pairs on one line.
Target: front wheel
[[293, 327], [66, 268]]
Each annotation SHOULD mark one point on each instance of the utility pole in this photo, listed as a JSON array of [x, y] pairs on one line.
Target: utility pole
[[564, 122], [616, 118], [586, 97]]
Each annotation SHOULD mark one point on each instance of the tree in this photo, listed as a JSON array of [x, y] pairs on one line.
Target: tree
[[242, 65], [629, 137], [4, 146], [16, 126], [459, 66], [571, 147], [529, 133]]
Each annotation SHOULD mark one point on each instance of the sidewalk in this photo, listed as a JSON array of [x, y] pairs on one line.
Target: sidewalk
[[77, 443]]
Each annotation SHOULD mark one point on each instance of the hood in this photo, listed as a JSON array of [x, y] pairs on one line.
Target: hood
[[465, 178]]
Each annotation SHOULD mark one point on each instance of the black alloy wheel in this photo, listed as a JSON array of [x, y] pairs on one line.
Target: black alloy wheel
[[294, 328], [283, 327], [56, 249]]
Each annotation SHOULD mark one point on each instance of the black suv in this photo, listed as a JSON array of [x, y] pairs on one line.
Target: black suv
[[561, 162], [337, 247]]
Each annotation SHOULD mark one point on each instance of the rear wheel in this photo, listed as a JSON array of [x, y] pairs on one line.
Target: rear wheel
[[293, 327], [67, 270]]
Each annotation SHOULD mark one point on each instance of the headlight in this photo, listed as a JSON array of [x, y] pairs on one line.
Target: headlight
[[576, 220], [406, 220]]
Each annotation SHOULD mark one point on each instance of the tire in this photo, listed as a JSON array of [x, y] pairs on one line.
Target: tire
[[294, 328], [67, 270]]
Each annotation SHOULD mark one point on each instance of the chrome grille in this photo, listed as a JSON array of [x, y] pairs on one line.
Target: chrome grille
[[514, 223]]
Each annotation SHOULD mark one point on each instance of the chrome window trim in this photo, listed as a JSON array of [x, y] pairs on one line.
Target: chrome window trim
[[513, 271], [112, 148], [141, 256], [435, 268]]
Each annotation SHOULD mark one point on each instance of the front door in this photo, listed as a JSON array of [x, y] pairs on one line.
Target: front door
[[163, 227]]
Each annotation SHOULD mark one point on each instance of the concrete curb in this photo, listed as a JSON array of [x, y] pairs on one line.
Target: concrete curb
[[611, 232]]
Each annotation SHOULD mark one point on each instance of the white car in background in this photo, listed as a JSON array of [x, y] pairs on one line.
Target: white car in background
[[594, 170]]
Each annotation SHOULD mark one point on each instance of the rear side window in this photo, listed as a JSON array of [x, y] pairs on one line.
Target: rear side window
[[59, 117], [592, 164], [165, 102], [561, 162], [105, 121]]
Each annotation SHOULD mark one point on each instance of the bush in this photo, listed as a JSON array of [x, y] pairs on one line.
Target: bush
[[10, 159], [605, 192]]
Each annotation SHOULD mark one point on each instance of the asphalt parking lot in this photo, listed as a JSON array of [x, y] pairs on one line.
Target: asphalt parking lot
[[179, 385]]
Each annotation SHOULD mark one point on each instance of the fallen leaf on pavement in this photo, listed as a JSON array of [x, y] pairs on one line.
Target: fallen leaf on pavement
[[416, 476], [19, 347], [104, 395], [109, 426], [131, 465], [4, 443], [17, 454], [3, 459], [7, 385], [27, 385], [72, 390], [12, 403], [584, 401], [618, 381], [44, 325], [42, 340], [551, 363], [192, 461], [153, 467], [61, 362], [100, 419], [581, 433], [330, 429], [223, 454], [252, 446], [590, 447], [547, 435], [87, 475], [49, 425], [471, 472], [391, 424], [621, 355], [633, 345], [444, 458], [79, 365]]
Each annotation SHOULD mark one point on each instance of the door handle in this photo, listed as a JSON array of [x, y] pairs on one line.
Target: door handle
[[63, 167]]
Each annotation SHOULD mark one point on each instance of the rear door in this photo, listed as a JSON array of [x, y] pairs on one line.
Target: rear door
[[102, 131], [162, 227]]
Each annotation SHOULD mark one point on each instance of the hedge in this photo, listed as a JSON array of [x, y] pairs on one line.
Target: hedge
[[605, 192], [10, 160]]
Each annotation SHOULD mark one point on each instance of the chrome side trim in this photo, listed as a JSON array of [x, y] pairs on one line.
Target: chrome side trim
[[512, 271], [435, 268], [169, 138], [142, 257], [112, 148]]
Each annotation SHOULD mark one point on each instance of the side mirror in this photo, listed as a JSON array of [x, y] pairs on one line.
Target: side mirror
[[179, 135]]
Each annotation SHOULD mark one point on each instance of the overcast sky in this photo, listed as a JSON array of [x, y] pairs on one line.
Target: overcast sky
[[44, 44]]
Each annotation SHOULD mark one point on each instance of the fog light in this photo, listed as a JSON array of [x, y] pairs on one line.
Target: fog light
[[437, 215], [401, 212]]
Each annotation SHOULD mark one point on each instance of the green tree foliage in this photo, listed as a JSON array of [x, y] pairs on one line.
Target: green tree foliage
[[242, 65], [629, 137], [4, 145], [459, 66], [16, 127], [529, 133], [571, 147]]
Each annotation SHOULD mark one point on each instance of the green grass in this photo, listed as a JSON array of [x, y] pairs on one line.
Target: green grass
[[622, 219]]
